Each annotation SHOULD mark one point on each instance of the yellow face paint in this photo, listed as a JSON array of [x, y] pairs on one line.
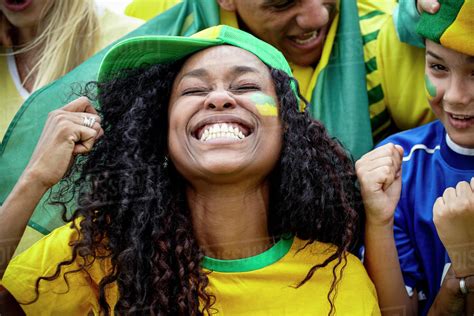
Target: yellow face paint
[[430, 88], [265, 104]]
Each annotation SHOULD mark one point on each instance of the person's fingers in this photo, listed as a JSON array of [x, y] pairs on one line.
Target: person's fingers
[[430, 6], [87, 137], [463, 189], [81, 104]]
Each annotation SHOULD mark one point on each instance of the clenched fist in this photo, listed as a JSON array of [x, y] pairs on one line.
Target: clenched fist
[[379, 174], [453, 216]]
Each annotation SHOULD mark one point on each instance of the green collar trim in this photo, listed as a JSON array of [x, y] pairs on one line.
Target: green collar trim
[[266, 258]]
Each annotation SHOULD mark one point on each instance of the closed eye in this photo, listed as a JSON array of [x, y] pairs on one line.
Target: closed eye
[[280, 5], [195, 91], [246, 88]]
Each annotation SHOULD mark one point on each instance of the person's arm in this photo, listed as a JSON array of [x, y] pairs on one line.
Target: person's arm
[[379, 174], [450, 301], [63, 137], [453, 216]]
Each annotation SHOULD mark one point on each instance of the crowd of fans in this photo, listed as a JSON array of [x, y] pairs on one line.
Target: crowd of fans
[[310, 157]]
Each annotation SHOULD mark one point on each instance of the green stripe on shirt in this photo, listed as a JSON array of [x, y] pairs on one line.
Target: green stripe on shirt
[[371, 15], [371, 65], [375, 94]]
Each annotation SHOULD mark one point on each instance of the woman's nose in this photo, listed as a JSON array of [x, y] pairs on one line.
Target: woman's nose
[[219, 100]]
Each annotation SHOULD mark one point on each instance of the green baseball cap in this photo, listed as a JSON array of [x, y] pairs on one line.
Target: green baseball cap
[[147, 50], [452, 26]]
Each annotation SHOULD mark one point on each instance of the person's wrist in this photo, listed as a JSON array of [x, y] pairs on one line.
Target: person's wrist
[[378, 228], [462, 260], [33, 180], [379, 223]]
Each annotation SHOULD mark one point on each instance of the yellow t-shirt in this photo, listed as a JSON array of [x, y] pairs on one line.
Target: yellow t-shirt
[[147, 9], [259, 285], [12, 93]]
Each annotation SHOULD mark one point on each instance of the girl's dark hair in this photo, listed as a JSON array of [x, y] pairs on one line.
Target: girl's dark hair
[[132, 207]]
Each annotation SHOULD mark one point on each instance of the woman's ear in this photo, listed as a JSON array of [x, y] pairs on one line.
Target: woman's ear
[[227, 5]]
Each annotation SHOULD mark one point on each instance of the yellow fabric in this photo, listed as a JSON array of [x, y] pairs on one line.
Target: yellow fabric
[[30, 236], [271, 290], [11, 99], [56, 298], [112, 26], [403, 82], [267, 291], [459, 35], [147, 9]]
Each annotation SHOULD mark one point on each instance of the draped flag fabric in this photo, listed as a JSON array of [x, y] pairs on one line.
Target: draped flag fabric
[[339, 97]]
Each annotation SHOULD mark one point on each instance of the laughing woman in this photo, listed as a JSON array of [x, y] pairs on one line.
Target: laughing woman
[[209, 192]]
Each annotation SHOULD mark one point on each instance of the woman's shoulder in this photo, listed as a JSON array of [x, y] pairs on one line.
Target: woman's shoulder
[[355, 290], [68, 283]]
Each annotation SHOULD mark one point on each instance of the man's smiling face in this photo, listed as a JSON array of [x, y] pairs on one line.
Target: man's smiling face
[[298, 28]]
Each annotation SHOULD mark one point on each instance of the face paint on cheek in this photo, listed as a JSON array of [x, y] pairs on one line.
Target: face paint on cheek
[[430, 88], [265, 104]]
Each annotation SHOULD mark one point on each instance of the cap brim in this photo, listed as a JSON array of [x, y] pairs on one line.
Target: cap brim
[[148, 50]]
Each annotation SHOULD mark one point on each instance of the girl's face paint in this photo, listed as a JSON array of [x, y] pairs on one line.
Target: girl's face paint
[[265, 104], [450, 88], [430, 88]]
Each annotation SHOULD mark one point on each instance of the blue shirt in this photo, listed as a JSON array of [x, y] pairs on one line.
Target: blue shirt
[[429, 166]]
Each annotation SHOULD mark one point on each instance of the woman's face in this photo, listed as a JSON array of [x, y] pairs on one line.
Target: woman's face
[[223, 118], [24, 13], [450, 84]]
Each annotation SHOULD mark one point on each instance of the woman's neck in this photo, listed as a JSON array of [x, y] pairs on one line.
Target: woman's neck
[[230, 222], [25, 60]]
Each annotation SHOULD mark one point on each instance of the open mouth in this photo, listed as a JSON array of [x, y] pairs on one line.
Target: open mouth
[[234, 131], [17, 5], [306, 38], [461, 120], [461, 117]]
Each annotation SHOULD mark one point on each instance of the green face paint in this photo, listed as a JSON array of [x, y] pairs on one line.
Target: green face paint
[[430, 88], [265, 104]]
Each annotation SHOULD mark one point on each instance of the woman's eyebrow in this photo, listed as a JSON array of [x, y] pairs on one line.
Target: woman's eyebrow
[[199, 73], [235, 71], [238, 70]]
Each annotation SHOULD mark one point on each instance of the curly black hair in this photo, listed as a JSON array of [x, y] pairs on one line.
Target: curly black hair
[[132, 206]]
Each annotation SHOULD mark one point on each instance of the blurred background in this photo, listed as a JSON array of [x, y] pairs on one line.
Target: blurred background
[[115, 5]]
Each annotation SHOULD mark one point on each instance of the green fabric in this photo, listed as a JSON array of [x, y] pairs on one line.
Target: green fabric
[[340, 98], [262, 260], [432, 26]]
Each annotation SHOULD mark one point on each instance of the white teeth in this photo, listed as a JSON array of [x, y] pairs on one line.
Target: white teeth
[[461, 117], [223, 130], [312, 36]]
